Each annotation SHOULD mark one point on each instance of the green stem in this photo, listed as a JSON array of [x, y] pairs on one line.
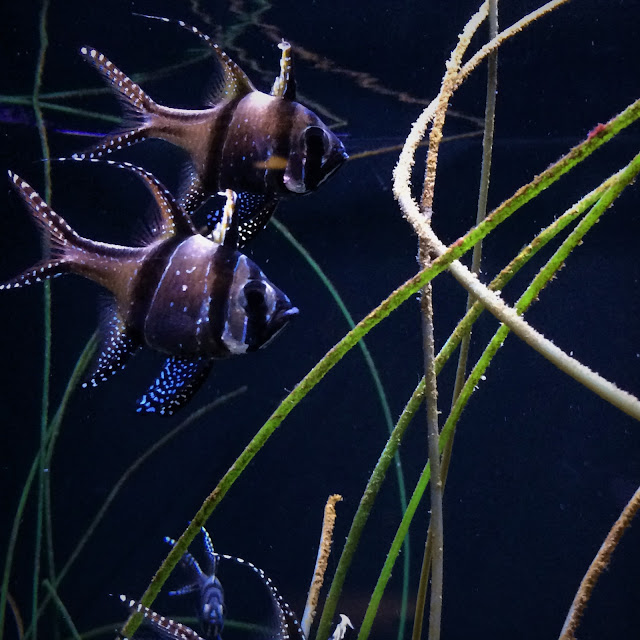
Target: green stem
[[62, 609], [436, 524], [382, 397], [46, 369]]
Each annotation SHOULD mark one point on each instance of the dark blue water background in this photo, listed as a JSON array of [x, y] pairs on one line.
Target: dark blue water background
[[541, 467]]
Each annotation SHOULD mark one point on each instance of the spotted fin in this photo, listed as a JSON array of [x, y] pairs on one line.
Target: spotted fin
[[179, 379], [165, 627], [252, 211], [285, 84], [235, 83], [118, 345], [193, 195]]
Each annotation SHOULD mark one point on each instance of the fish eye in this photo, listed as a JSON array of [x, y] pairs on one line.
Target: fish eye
[[254, 294], [314, 138]]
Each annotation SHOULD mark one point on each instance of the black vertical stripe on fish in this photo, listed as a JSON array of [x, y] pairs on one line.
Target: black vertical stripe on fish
[[284, 113], [224, 267], [215, 158], [149, 276]]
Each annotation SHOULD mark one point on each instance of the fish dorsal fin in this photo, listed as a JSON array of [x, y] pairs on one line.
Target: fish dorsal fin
[[285, 84], [236, 83], [165, 627], [172, 218], [226, 231]]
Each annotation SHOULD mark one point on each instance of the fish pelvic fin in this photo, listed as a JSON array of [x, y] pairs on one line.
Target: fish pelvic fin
[[118, 345], [178, 381], [141, 111]]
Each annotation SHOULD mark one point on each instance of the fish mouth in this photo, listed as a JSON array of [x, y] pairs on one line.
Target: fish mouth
[[283, 316], [279, 320]]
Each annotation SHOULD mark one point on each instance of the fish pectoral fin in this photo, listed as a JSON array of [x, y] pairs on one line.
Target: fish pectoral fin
[[252, 211], [188, 588], [179, 379], [285, 84], [118, 345]]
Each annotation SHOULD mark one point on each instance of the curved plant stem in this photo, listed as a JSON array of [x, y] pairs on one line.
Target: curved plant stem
[[382, 397], [623, 400], [599, 564], [487, 145], [616, 184], [436, 524]]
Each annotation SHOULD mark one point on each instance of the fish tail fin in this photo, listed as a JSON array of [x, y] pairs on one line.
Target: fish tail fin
[[64, 242], [142, 112]]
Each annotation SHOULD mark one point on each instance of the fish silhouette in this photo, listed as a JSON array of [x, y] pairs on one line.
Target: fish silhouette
[[194, 298], [211, 611], [263, 146]]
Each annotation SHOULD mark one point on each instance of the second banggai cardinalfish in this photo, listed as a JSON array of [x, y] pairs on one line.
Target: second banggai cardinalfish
[[194, 298]]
